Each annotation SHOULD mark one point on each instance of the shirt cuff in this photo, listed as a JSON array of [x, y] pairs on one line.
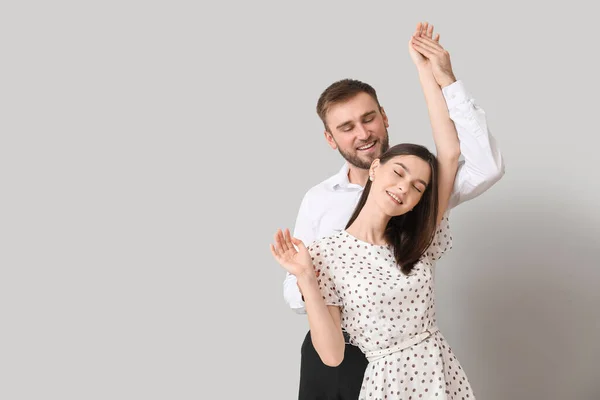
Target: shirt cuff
[[455, 94], [299, 309]]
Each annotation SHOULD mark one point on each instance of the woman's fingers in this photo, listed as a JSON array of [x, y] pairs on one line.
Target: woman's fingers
[[299, 243], [274, 251], [280, 241], [288, 239], [427, 30], [418, 29]]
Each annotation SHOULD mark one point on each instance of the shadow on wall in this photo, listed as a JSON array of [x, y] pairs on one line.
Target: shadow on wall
[[519, 301]]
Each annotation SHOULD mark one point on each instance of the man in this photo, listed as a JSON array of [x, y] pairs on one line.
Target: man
[[356, 125]]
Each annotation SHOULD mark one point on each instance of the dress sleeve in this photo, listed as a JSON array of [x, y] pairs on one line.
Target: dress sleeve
[[442, 240], [325, 275]]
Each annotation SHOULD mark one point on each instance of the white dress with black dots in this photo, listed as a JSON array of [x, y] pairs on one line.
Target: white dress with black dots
[[391, 317]]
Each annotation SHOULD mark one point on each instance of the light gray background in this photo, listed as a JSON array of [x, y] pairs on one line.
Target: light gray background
[[150, 150]]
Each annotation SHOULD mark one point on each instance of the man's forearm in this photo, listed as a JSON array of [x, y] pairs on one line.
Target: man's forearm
[[446, 80]]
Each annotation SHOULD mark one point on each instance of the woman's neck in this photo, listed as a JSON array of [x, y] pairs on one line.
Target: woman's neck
[[370, 225]]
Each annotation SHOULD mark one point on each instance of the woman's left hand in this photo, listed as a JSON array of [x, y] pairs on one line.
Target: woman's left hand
[[296, 262]]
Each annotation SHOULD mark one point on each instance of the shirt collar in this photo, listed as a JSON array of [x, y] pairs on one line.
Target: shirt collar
[[341, 181]]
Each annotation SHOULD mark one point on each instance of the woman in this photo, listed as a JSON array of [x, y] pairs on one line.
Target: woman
[[375, 278]]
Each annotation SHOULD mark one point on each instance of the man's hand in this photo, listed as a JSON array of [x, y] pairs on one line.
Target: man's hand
[[427, 52]]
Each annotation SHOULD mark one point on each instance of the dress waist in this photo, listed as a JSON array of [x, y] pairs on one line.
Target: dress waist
[[377, 354]]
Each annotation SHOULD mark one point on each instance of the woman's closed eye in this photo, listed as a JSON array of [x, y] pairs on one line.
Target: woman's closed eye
[[402, 176]]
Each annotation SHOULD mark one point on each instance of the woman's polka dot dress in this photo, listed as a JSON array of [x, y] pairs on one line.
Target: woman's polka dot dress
[[382, 309]]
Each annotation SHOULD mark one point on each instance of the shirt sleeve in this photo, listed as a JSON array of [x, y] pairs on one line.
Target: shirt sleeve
[[326, 278], [442, 240], [304, 229], [482, 165]]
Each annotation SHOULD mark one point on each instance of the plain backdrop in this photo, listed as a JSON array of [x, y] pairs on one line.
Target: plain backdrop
[[150, 149]]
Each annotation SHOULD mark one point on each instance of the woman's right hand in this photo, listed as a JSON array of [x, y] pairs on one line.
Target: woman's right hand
[[296, 262]]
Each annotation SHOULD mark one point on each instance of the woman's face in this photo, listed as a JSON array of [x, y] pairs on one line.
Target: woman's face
[[398, 185]]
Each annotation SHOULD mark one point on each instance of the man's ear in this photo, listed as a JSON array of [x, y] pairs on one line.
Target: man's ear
[[330, 140], [385, 118]]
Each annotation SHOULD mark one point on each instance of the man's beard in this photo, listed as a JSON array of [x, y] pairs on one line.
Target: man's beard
[[358, 162]]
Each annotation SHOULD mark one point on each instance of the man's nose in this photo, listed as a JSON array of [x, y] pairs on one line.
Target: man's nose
[[362, 132]]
